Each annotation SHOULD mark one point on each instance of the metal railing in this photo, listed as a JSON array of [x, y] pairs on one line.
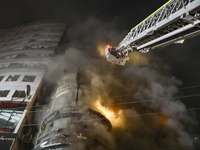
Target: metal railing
[[168, 13]]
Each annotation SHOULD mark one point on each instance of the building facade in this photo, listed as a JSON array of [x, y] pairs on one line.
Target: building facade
[[71, 124], [25, 52]]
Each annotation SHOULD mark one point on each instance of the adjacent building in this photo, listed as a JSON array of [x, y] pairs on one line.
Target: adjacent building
[[24, 53]]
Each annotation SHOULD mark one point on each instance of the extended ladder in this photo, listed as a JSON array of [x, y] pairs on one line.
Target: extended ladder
[[172, 23]]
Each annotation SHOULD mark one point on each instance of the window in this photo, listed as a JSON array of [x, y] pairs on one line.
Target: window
[[15, 65], [1, 77], [3, 66], [13, 78], [4, 93], [19, 94], [10, 118], [18, 48], [28, 78], [10, 56]]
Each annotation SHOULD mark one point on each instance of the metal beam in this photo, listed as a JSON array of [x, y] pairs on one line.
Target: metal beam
[[163, 21]]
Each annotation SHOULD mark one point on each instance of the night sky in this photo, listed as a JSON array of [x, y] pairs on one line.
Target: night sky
[[183, 61]]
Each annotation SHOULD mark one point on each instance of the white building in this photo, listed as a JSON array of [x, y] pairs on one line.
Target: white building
[[24, 53]]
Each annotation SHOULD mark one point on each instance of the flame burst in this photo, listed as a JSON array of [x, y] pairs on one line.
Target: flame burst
[[101, 50], [115, 117]]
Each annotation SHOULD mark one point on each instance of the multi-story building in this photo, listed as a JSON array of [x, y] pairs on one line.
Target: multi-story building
[[71, 123], [24, 53]]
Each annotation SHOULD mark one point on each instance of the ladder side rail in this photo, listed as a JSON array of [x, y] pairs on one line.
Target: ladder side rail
[[192, 34], [153, 16], [189, 26], [170, 18], [132, 30]]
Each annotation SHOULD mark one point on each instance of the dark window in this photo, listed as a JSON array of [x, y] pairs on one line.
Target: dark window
[[13, 78], [19, 94], [4, 93], [28, 78], [1, 77], [15, 65]]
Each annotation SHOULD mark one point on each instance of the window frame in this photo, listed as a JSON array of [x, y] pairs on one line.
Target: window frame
[[21, 94], [13, 78], [30, 78], [1, 78], [4, 93]]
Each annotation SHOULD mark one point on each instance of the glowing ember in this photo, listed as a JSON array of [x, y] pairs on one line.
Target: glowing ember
[[163, 120]]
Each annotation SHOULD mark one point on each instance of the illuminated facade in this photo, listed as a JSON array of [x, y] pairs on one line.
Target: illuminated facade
[[24, 53], [71, 124]]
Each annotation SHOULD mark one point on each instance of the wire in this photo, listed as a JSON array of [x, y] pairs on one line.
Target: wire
[[189, 87], [135, 102], [142, 101], [195, 86], [177, 147], [126, 116]]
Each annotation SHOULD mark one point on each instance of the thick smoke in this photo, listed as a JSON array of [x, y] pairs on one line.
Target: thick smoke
[[140, 94]]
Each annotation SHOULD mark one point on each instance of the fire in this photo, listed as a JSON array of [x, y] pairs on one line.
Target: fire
[[101, 50], [115, 117], [163, 120]]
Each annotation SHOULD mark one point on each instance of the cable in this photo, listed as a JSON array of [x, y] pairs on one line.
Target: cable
[[137, 115], [195, 86], [142, 101], [135, 102], [189, 87], [178, 147], [125, 103]]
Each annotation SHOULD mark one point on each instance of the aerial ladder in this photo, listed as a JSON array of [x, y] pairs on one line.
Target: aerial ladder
[[174, 22]]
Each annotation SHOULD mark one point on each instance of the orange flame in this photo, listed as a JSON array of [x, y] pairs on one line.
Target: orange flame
[[163, 120], [115, 117], [101, 50]]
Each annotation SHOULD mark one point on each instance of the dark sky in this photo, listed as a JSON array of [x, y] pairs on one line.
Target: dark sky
[[126, 13], [184, 60]]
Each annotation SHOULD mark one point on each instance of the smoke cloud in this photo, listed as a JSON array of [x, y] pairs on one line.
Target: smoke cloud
[[137, 98]]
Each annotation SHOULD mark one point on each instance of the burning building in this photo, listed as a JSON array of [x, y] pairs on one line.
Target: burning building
[[71, 124]]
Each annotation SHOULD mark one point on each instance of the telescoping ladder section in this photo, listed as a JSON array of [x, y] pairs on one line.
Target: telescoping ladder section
[[172, 23]]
